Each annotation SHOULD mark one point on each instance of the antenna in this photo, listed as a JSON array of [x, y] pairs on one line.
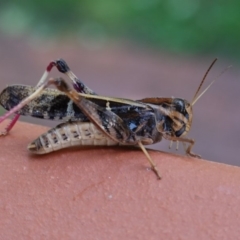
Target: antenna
[[195, 98]]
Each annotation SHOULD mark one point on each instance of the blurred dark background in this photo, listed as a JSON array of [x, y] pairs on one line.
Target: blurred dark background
[[135, 49]]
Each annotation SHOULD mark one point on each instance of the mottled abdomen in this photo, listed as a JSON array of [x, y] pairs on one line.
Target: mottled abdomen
[[70, 134]]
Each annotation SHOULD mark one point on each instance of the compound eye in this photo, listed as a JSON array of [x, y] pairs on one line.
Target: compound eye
[[179, 105]]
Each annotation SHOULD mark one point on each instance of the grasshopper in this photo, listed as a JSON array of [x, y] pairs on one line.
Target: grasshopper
[[91, 119]]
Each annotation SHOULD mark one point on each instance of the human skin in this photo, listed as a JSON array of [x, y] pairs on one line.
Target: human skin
[[111, 193]]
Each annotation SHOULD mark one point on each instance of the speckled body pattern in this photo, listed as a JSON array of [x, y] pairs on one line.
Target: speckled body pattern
[[52, 104], [148, 122], [97, 120]]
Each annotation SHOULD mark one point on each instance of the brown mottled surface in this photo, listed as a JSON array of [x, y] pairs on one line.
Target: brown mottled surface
[[109, 193], [125, 70]]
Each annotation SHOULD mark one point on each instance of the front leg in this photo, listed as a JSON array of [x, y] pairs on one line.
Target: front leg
[[183, 140]]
